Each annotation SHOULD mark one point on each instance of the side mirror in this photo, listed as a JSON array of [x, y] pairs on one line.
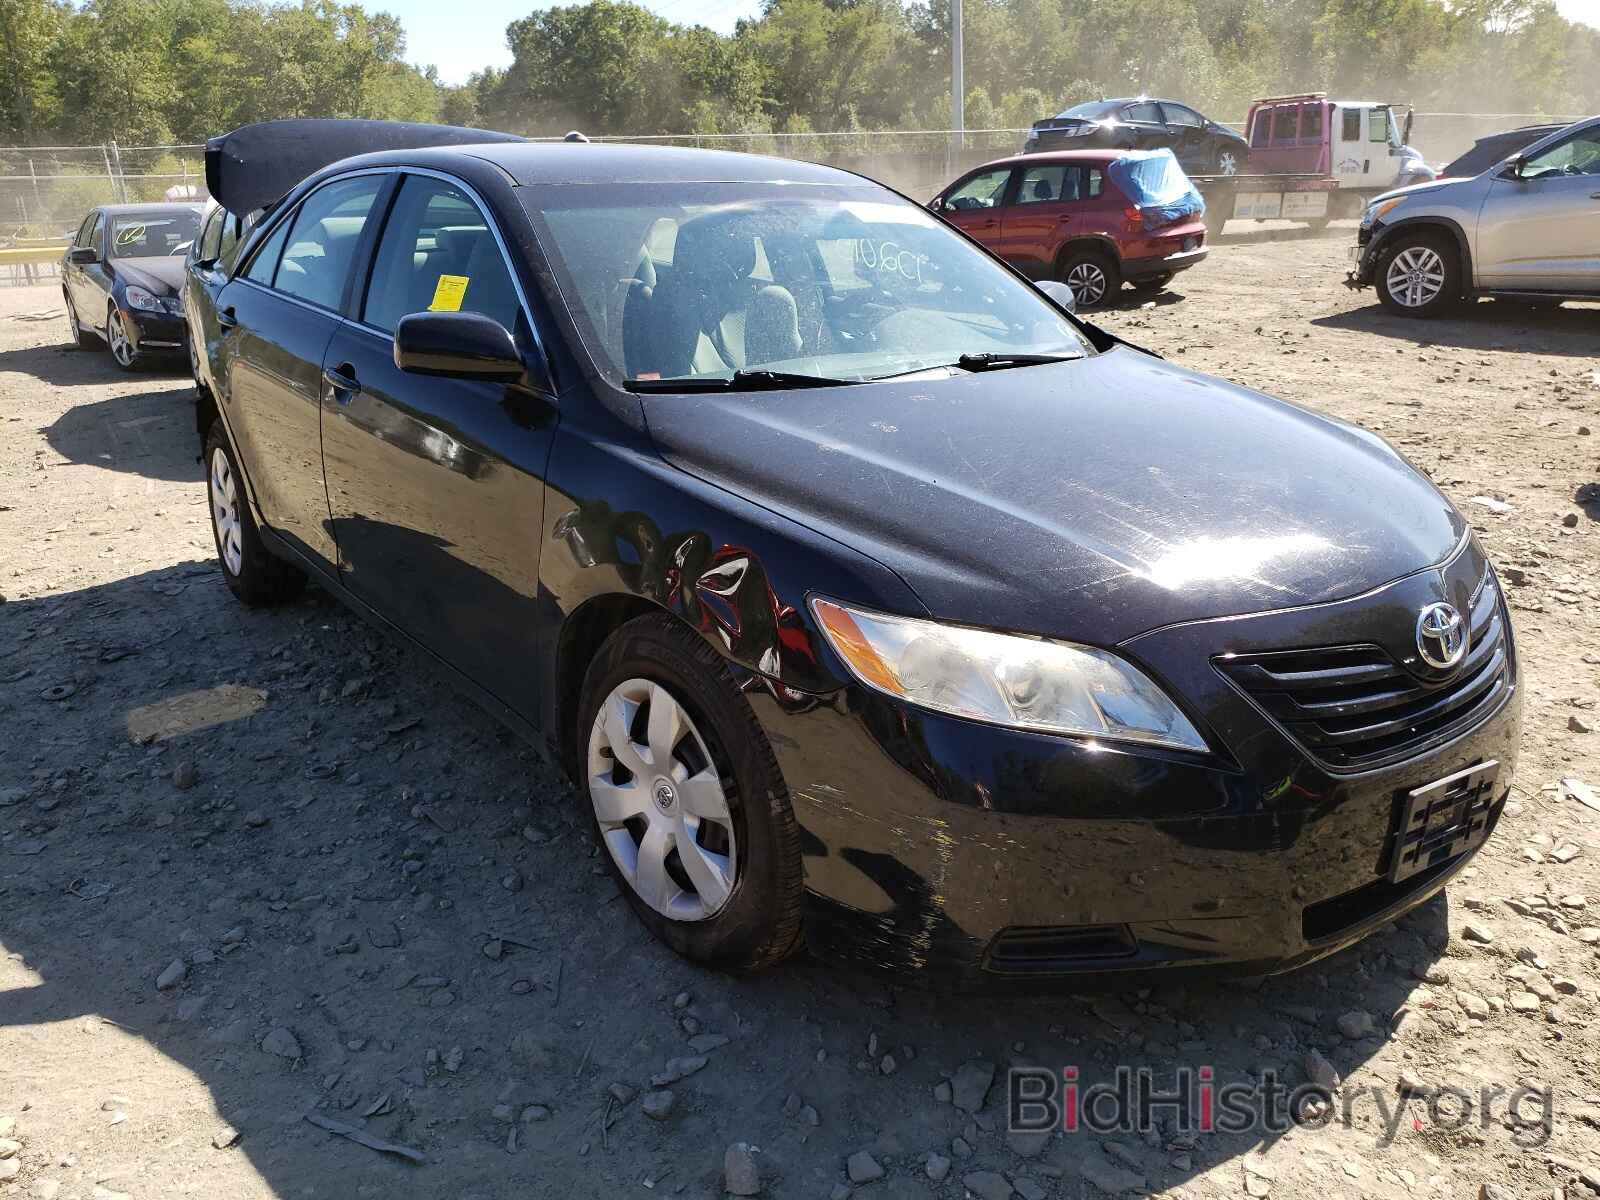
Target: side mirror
[[1515, 168], [1059, 294], [936, 204], [83, 256], [464, 345]]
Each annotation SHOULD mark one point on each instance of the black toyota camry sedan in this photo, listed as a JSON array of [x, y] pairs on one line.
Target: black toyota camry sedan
[[120, 279], [873, 604]]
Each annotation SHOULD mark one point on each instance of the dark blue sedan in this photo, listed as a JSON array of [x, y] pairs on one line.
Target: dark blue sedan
[[121, 278]]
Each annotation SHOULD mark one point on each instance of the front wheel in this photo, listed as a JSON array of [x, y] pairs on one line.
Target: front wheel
[[1227, 162], [1418, 275], [252, 573], [687, 802], [1092, 276], [118, 341]]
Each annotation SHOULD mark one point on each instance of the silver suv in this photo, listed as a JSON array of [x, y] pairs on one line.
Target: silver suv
[[1527, 228]]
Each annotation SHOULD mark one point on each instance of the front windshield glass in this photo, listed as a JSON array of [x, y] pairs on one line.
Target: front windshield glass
[[698, 281], [153, 235]]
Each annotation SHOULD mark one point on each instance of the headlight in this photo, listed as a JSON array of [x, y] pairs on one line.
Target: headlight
[[1005, 679], [138, 297], [1372, 212]]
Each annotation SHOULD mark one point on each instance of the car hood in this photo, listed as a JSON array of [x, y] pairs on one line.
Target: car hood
[[161, 276], [1089, 500], [1415, 189]]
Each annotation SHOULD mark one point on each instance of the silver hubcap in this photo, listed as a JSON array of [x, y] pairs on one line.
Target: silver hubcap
[[1227, 164], [1088, 283], [225, 511], [121, 348], [661, 805], [1415, 276]]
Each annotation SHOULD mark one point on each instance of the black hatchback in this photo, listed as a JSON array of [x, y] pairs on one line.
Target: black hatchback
[[873, 603]]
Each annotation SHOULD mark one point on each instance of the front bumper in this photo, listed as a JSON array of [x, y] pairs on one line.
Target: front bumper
[[936, 845], [1364, 256], [1166, 264], [155, 333]]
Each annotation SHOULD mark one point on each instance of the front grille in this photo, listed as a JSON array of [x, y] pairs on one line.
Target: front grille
[[1355, 707]]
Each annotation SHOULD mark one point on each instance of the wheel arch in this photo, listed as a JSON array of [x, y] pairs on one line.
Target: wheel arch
[[1444, 225], [580, 638], [1099, 243]]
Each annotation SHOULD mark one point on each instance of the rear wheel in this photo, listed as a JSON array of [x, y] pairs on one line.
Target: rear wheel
[[252, 573], [689, 808], [118, 341], [1152, 284], [1418, 275], [1091, 274]]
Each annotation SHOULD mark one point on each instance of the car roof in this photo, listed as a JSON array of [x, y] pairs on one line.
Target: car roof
[[1050, 156], [615, 162], [120, 210]]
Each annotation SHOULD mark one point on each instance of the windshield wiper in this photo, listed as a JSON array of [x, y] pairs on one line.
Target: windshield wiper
[[1000, 361], [739, 381]]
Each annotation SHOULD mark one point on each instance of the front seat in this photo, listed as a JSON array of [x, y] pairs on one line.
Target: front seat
[[1042, 190]]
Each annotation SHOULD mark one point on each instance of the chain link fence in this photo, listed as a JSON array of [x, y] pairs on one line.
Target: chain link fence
[[46, 190]]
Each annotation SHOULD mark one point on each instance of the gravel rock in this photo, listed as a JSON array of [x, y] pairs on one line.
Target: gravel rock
[[282, 1043], [1356, 1025], [1412, 1084], [987, 1185], [862, 1168], [1320, 1071], [658, 1105], [680, 1068], [1525, 1002], [741, 1175], [938, 1167], [1109, 1179], [185, 775], [172, 976], [942, 1093], [621, 1093], [1473, 1005], [225, 1137], [1027, 1188], [1481, 934], [971, 1084]]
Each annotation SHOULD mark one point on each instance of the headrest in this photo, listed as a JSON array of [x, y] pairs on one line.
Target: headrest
[[716, 246]]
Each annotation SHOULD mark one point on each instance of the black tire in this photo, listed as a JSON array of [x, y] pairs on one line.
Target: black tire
[[759, 924], [120, 346], [1151, 284], [1421, 244], [82, 338], [260, 577], [1084, 262]]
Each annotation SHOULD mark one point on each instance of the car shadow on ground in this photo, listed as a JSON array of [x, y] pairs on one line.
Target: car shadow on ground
[[1482, 325], [329, 843], [148, 431]]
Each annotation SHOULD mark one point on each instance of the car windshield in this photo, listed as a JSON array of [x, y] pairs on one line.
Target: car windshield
[[153, 235], [703, 281]]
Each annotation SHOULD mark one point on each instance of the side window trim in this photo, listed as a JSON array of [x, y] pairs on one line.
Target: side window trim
[[264, 231]]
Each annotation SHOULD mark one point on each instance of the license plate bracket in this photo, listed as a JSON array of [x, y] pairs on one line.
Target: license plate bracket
[[1442, 819]]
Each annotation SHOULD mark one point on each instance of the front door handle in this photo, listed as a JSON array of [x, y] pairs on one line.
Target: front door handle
[[342, 381], [227, 320]]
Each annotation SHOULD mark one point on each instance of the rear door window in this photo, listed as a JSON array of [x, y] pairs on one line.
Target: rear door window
[[1147, 112], [1043, 185], [1352, 125], [322, 245], [437, 254], [1177, 114], [265, 264]]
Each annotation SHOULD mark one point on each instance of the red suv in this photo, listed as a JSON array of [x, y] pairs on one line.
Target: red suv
[[1060, 216]]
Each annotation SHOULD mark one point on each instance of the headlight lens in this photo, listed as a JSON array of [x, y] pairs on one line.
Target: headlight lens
[[1005, 679], [139, 298], [1374, 211]]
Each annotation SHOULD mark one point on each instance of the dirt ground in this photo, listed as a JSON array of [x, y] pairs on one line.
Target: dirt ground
[[259, 865]]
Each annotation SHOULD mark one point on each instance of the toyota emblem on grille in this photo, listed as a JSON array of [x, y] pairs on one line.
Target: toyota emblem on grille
[[1441, 636]]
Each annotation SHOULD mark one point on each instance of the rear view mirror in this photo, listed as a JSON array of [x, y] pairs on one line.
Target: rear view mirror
[[1058, 293], [83, 256], [465, 345]]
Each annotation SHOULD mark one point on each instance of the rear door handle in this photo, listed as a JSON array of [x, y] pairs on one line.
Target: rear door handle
[[227, 320], [341, 381]]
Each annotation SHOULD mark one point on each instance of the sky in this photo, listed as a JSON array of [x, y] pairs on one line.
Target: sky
[[460, 38]]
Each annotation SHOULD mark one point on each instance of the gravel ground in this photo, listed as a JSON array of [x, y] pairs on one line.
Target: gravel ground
[[260, 874]]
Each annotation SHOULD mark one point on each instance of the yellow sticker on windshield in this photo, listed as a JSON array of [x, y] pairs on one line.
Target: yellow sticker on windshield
[[448, 293]]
